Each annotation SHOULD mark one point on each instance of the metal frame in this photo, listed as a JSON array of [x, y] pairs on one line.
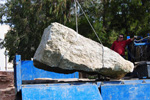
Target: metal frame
[[25, 70], [96, 90]]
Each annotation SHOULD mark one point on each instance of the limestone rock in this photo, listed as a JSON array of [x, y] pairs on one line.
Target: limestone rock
[[65, 51]]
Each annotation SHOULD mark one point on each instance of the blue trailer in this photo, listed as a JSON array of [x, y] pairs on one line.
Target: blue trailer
[[31, 89], [29, 85]]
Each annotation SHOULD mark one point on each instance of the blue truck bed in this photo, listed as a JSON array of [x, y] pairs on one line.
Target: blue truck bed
[[31, 89]]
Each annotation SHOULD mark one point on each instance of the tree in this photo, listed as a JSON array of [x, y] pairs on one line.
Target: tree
[[129, 16], [28, 19]]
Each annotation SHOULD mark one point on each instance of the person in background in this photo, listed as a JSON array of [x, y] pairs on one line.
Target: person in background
[[120, 44]]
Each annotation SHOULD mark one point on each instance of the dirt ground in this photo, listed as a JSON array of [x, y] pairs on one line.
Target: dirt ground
[[7, 89]]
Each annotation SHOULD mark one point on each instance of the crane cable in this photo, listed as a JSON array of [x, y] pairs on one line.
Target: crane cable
[[89, 22], [94, 31], [76, 18], [76, 1]]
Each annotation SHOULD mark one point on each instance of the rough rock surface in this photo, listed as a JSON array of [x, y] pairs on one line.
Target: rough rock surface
[[7, 89], [65, 51]]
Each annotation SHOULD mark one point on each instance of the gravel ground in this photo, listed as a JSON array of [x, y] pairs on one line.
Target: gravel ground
[[7, 89]]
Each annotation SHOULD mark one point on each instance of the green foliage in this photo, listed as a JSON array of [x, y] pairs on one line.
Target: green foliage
[[132, 16], [29, 18]]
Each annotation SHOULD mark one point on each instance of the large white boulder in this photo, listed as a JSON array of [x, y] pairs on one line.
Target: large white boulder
[[65, 51]]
